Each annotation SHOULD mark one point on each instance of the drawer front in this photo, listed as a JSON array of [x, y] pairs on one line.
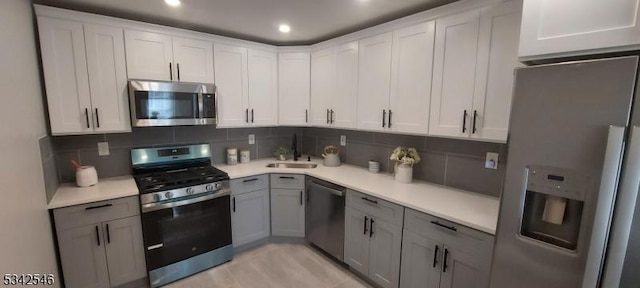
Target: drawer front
[[453, 235], [96, 212], [287, 181], [249, 184], [376, 207]]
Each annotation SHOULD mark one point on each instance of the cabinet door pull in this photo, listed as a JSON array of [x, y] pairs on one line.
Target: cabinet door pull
[[444, 261], [371, 228], [98, 235], [328, 116], [108, 234], [365, 224], [332, 121], [464, 122], [301, 198], [250, 180], [99, 206], [97, 118], [384, 116], [170, 72], [178, 67], [306, 115], [287, 177], [253, 118], [475, 117], [435, 256], [246, 115], [86, 115], [389, 125], [234, 204], [369, 200], [452, 228]]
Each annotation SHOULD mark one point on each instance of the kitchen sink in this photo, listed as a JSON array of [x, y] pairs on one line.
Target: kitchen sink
[[293, 165]]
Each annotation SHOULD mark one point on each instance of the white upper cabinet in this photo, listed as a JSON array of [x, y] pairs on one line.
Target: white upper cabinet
[[294, 88], [85, 77], [454, 68], [263, 87], [149, 55], [553, 29], [107, 78], [342, 113], [193, 60], [374, 80], [232, 85], [162, 57], [411, 67], [497, 57], [322, 86]]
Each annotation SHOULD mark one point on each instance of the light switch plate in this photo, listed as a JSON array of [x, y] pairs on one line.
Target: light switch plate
[[103, 148], [252, 139], [492, 161], [343, 140]]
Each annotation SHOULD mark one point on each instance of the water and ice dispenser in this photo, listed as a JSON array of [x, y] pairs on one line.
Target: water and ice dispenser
[[553, 205]]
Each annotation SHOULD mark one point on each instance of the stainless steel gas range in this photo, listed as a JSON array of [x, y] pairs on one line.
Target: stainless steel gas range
[[186, 219]]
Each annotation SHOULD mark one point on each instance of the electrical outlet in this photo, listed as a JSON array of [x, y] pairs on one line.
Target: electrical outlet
[[492, 161], [252, 139], [103, 148], [343, 140]]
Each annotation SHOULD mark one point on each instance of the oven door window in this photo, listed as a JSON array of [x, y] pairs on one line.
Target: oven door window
[[166, 105], [178, 233]]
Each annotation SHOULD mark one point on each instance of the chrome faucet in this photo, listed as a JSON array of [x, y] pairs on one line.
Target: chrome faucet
[[294, 147]]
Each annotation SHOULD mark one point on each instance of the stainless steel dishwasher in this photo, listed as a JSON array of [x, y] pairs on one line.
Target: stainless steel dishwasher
[[325, 216]]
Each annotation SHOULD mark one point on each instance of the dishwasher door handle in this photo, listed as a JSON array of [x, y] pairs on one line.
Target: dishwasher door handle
[[333, 191]]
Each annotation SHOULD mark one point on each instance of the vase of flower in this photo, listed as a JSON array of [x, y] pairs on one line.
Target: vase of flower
[[404, 158]]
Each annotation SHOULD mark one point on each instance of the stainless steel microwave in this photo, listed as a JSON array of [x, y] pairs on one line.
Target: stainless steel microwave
[[164, 103]]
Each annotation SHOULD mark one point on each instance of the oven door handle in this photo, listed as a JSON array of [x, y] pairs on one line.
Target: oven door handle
[[157, 206]]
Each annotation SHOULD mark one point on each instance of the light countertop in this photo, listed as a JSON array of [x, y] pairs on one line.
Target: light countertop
[[470, 209], [68, 194]]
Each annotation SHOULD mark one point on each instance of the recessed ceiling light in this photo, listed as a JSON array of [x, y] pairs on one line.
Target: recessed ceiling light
[[173, 3], [284, 28]]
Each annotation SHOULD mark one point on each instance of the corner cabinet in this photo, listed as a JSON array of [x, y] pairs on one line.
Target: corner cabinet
[[247, 86], [294, 76], [250, 210], [85, 77], [440, 254], [552, 29], [100, 244], [162, 57], [475, 54], [373, 238]]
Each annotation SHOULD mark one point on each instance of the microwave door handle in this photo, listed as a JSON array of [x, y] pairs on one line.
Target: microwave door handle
[[621, 226], [200, 105], [606, 197]]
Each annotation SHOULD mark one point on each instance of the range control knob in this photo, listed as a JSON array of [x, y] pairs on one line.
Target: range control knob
[[169, 195], [209, 187], [157, 197], [218, 185], [189, 191]]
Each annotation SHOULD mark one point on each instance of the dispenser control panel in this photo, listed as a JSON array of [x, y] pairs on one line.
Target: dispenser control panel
[[557, 181]]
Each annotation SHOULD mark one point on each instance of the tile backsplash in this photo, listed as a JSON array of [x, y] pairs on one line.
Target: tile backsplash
[[454, 163], [449, 162]]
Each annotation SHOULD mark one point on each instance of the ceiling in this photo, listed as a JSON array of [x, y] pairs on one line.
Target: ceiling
[[311, 21]]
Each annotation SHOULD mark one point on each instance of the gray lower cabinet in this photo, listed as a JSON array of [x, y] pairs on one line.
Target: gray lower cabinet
[[373, 243], [287, 205], [439, 254], [250, 216], [250, 211], [107, 251]]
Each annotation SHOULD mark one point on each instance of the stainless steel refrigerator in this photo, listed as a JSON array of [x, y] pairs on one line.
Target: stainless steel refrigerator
[[572, 178]]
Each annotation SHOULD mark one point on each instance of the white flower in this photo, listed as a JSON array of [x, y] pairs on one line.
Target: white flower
[[405, 155]]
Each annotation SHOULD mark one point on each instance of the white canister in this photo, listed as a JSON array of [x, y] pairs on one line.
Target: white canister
[[245, 156], [404, 173], [374, 166], [86, 176], [232, 156]]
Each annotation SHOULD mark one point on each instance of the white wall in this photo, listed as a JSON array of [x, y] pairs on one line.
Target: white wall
[[26, 244]]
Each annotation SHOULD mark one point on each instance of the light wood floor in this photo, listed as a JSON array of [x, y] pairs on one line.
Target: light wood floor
[[275, 265]]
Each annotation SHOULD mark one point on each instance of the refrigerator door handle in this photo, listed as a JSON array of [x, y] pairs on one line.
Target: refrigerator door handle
[[604, 208], [623, 215]]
